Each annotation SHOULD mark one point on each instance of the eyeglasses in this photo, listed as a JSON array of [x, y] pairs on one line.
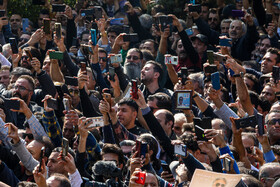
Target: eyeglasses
[[12, 20], [103, 58], [29, 136], [21, 88], [273, 121], [75, 92], [219, 184], [132, 57], [272, 178]]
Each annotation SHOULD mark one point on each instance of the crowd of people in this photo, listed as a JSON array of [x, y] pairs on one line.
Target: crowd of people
[[126, 93]]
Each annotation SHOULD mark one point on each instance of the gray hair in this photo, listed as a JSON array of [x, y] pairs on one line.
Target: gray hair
[[197, 77], [146, 21], [244, 27]]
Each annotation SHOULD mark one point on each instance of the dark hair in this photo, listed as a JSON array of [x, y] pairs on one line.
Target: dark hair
[[102, 50], [18, 71], [115, 28], [26, 184], [253, 79], [47, 144], [63, 180], [45, 11], [254, 98], [157, 68], [159, 8], [147, 55], [34, 52], [84, 32], [274, 51], [169, 116], [264, 104], [113, 148], [30, 80], [163, 100], [251, 63], [138, 51], [153, 41], [59, 149], [189, 140], [129, 102]]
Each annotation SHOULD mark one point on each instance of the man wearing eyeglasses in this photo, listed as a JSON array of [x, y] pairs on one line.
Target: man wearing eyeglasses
[[269, 173], [272, 120], [213, 19], [133, 63]]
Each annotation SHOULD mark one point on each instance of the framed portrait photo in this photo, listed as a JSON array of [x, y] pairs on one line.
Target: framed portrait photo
[[184, 99]]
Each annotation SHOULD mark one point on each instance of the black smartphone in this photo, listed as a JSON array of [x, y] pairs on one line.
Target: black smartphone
[[14, 46], [74, 42], [47, 25], [261, 129], [144, 149], [58, 8], [165, 21], [1, 2], [112, 73], [165, 167], [250, 121], [59, 91], [65, 147], [97, 12], [276, 74], [71, 81], [38, 2], [268, 19], [126, 29], [2, 13], [11, 104], [138, 148], [52, 103], [184, 74], [210, 56], [199, 132], [195, 8], [28, 53], [204, 123], [58, 33], [42, 154], [133, 37], [87, 12], [210, 69]]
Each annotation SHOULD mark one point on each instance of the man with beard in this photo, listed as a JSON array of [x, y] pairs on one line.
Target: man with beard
[[264, 44], [150, 76], [25, 61], [15, 21], [213, 19], [133, 63]]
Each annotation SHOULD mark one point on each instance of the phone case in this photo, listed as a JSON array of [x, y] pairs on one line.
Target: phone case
[[225, 42], [112, 73], [66, 104], [199, 132], [117, 21], [215, 80], [47, 25], [141, 178], [52, 103], [180, 150], [12, 104], [14, 46], [56, 55], [93, 37], [210, 56], [65, 147], [58, 30], [25, 24], [144, 149], [134, 89], [71, 81], [250, 121], [189, 32]]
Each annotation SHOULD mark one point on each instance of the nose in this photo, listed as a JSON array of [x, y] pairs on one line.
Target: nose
[[49, 164]]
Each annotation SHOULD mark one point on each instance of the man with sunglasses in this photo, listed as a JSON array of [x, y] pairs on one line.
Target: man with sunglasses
[[272, 120]]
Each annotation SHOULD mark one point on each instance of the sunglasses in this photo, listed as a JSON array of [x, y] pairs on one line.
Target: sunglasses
[[29, 136], [76, 92], [273, 121], [132, 57], [103, 58]]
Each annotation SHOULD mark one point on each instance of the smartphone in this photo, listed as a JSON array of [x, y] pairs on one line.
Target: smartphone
[[9, 129], [199, 132], [141, 178], [215, 80], [117, 21], [210, 56], [237, 13], [52, 103], [58, 33], [96, 122], [97, 12], [204, 123], [112, 73], [261, 129], [134, 89], [171, 59], [65, 147], [184, 74], [47, 25], [250, 121], [58, 8], [165, 21], [195, 8], [28, 53], [66, 104], [2, 13], [180, 150], [225, 42], [74, 42], [165, 167], [107, 97], [133, 37], [56, 55], [87, 12], [268, 19], [25, 24], [126, 29], [220, 57], [276, 74], [93, 37], [11, 104], [189, 31], [116, 58], [144, 149], [210, 69], [249, 150], [226, 164], [14, 46], [71, 81], [138, 148], [59, 91], [83, 67], [42, 154], [38, 2]]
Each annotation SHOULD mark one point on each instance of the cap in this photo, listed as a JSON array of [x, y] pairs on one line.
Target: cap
[[201, 37]]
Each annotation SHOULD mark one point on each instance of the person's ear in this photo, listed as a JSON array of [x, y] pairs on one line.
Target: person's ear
[[156, 75]]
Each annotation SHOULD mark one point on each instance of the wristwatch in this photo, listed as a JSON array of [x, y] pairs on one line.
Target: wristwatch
[[241, 74]]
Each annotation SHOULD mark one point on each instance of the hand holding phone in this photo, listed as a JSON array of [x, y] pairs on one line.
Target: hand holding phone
[[134, 89], [65, 147], [141, 178]]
